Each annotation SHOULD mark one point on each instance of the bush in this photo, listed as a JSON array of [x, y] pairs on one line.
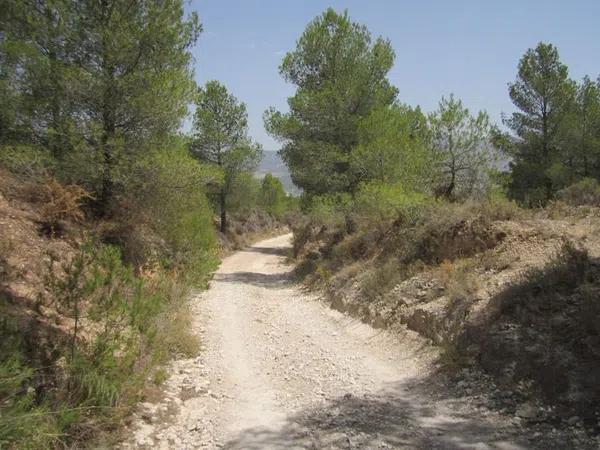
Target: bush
[[61, 202], [584, 192], [29, 162], [377, 203], [122, 327], [244, 194], [272, 196], [25, 422], [170, 220], [327, 210], [380, 279]]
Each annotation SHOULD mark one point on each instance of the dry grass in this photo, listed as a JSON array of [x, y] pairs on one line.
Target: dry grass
[[176, 335], [61, 202], [380, 279], [459, 281], [7, 246]]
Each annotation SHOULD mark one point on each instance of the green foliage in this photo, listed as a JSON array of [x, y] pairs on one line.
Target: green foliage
[[584, 192], [377, 203], [133, 323], [244, 194], [167, 194], [461, 147], [24, 421], [221, 138], [543, 93], [581, 133], [330, 210], [27, 161], [272, 196], [392, 147], [340, 75], [85, 82]]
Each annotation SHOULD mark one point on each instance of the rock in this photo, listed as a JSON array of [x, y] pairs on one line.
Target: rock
[[574, 420], [527, 411], [149, 417]]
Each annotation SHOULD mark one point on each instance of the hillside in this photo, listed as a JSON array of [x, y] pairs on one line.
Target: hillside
[[515, 299]]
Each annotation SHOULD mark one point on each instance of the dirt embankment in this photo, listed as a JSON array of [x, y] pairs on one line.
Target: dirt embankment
[[518, 299], [25, 255]]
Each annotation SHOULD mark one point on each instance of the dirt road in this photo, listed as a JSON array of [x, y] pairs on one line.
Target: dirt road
[[281, 370]]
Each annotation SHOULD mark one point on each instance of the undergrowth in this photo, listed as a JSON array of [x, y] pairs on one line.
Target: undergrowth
[[123, 326]]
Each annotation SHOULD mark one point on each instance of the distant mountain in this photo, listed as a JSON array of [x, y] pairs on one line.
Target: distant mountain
[[273, 164]]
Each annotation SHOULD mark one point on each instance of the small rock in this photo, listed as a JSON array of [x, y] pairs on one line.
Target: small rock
[[573, 420], [527, 411]]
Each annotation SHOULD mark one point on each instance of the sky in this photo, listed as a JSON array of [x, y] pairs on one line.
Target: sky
[[466, 47]]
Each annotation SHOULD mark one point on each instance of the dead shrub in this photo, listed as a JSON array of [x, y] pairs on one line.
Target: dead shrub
[[302, 236], [61, 202], [452, 359], [458, 282], [381, 279]]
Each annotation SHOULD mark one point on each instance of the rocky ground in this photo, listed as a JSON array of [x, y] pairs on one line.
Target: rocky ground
[[282, 370]]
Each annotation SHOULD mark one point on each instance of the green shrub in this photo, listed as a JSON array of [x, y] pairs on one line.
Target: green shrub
[[328, 210], [272, 196], [377, 202], [27, 161], [584, 192], [25, 422], [127, 325], [244, 194], [171, 220]]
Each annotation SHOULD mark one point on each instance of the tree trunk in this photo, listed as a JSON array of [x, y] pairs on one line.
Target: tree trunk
[[108, 121], [223, 211], [106, 189]]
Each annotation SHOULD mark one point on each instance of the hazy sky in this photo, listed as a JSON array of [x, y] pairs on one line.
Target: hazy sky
[[470, 48]]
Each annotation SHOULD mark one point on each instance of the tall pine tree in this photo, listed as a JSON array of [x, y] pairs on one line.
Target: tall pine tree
[[543, 94]]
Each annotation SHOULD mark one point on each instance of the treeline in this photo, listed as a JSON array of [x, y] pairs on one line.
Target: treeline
[[347, 135], [93, 96]]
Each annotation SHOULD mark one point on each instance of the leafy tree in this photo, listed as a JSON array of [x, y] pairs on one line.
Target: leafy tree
[[221, 138], [340, 76], [36, 49], [582, 132], [132, 54], [272, 195], [91, 77], [392, 148], [461, 147], [543, 94]]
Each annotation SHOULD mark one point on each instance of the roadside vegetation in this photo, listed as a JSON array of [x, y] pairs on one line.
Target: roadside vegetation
[[108, 210]]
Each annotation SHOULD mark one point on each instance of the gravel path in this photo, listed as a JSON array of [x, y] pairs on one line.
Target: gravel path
[[282, 370]]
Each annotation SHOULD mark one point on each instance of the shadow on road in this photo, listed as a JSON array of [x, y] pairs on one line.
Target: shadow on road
[[272, 280], [390, 419], [277, 251], [403, 416]]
